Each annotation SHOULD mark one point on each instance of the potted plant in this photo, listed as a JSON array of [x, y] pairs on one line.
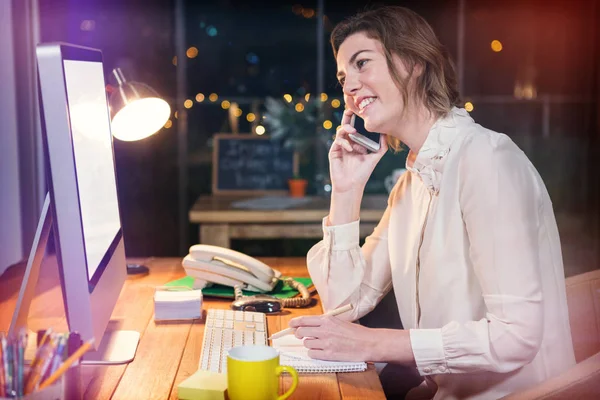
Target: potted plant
[[297, 126], [297, 186]]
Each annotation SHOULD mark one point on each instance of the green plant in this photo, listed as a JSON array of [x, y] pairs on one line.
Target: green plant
[[298, 130]]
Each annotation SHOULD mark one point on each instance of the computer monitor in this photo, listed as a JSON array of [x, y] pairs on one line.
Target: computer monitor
[[83, 204]]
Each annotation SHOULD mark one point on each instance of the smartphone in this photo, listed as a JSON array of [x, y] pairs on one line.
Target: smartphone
[[369, 140]]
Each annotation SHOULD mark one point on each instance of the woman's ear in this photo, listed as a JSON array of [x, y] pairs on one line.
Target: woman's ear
[[418, 70]]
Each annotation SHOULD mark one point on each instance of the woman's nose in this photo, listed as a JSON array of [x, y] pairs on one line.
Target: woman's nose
[[351, 85]]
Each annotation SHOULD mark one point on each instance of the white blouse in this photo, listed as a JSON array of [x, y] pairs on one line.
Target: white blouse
[[470, 245]]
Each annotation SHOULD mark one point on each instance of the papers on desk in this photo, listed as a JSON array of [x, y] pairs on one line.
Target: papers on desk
[[271, 203], [293, 353], [175, 303]]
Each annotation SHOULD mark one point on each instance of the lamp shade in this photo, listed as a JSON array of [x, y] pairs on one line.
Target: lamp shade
[[137, 111]]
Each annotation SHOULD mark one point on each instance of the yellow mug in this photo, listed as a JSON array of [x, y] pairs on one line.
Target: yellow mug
[[253, 374]]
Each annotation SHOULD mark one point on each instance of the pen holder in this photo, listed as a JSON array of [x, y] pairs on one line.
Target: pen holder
[[66, 388]]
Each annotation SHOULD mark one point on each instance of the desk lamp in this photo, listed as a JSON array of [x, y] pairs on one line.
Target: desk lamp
[[136, 113]]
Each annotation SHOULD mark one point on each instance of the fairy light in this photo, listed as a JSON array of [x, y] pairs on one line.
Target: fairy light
[[199, 97], [250, 117]]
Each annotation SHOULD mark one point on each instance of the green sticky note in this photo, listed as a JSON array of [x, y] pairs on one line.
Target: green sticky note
[[280, 290]]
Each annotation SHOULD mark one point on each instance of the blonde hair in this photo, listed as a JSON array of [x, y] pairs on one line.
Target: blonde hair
[[406, 34]]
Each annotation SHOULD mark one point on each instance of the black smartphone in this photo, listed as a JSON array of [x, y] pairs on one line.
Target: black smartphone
[[369, 140]]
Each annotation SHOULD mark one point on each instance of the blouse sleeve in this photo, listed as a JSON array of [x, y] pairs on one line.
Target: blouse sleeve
[[344, 273], [500, 199]]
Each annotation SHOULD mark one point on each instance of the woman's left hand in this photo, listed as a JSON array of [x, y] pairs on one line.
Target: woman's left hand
[[330, 338]]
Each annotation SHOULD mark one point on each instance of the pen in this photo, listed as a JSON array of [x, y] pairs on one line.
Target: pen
[[68, 362], [331, 313], [2, 368], [38, 368]]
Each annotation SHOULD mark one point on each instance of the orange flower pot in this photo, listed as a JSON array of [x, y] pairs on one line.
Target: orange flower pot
[[297, 187]]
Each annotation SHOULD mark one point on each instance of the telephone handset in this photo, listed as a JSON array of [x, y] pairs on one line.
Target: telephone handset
[[228, 267], [213, 264]]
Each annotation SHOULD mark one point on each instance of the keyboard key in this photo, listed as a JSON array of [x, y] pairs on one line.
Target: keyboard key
[[248, 317], [260, 338], [260, 327], [248, 337]]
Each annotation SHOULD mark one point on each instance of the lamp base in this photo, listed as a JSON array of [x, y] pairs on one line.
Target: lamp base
[[137, 269]]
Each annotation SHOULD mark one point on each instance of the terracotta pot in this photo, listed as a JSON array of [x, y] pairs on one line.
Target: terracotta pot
[[297, 187]]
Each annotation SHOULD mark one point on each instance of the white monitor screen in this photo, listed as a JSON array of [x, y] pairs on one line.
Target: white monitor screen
[[94, 162]]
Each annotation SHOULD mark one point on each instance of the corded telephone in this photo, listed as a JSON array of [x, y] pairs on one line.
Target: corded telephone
[[213, 264]]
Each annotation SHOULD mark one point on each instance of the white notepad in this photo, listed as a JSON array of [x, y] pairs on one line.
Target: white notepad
[[293, 353], [170, 304]]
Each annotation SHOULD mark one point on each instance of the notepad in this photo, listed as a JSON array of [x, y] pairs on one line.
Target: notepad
[[293, 353], [171, 305]]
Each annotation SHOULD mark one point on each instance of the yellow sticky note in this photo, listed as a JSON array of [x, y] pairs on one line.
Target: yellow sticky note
[[203, 385]]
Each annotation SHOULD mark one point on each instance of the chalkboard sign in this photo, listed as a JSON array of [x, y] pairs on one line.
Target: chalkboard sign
[[249, 164]]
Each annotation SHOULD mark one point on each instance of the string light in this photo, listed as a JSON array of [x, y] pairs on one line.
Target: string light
[[260, 130], [169, 124], [308, 13], [225, 104], [213, 97], [324, 97], [188, 103], [469, 106], [199, 97], [238, 112], [250, 117], [327, 124], [176, 115], [287, 97], [174, 60], [192, 52], [307, 96], [335, 103], [496, 46], [299, 107]]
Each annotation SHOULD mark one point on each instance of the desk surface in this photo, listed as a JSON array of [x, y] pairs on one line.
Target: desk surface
[[219, 209], [168, 353]]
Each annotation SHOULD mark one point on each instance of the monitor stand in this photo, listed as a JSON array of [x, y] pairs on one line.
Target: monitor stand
[[116, 346]]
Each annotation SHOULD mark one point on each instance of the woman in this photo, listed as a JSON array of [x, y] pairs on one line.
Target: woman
[[468, 241]]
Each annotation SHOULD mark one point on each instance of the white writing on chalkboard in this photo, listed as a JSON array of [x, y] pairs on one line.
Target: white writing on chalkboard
[[253, 164]]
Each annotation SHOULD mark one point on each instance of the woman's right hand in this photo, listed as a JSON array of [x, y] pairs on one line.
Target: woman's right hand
[[350, 164]]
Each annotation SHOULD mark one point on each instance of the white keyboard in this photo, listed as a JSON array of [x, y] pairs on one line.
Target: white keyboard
[[225, 329]]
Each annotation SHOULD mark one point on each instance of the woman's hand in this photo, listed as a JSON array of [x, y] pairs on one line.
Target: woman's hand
[[333, 339], [330, 338], [350, 164]]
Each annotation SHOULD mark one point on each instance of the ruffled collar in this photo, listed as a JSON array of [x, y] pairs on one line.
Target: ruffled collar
[[429, 163]]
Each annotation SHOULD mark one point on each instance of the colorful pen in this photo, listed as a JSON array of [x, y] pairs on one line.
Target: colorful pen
[[68, 362], [2, 369]]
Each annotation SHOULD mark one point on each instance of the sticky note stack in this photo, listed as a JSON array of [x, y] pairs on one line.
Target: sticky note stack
[[203, 385], [170, 305]]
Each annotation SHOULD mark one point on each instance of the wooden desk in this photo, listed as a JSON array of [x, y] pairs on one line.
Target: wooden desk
[[220, 222], [168, 353]]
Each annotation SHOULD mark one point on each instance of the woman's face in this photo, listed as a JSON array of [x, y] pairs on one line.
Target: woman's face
[[369, 89]]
